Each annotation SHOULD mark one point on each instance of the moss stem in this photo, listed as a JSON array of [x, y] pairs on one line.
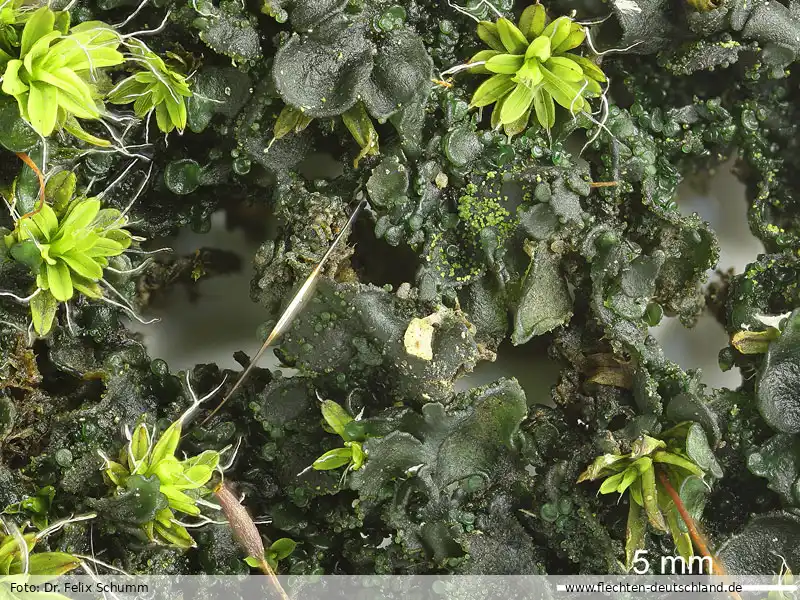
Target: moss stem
[[28, 161], [698, 539]]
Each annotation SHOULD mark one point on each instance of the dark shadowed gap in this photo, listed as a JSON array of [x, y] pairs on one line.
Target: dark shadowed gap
[[528, 363], [222, 321], [320, 165], [376, 261], [720, 201]]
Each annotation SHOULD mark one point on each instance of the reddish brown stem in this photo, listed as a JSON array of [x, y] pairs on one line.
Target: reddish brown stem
[[28, 161], [698, 539]]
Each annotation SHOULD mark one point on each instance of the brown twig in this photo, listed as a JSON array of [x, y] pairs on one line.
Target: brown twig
[[246, 533], [28, 161], [698, 539], [602, 184]]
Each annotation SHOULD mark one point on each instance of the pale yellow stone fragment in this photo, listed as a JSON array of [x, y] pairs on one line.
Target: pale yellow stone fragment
[[418, 339]]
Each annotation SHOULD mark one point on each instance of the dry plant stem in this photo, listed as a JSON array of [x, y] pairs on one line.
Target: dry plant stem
[[246, 532], [602, 184], [698, 539], [295, 306], [28, 161]]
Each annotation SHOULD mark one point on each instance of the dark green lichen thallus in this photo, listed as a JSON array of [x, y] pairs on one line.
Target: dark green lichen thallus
[[519, 170]]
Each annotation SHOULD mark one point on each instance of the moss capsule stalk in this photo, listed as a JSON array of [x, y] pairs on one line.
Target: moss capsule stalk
[[245, 532]]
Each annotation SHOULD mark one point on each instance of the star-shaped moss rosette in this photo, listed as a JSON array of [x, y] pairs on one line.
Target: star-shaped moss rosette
[[66, 245], [533, 69], [656, 473], [351, 455], [151, 483], [150, 471], [49, 77], [156, 87], [16, 566]]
